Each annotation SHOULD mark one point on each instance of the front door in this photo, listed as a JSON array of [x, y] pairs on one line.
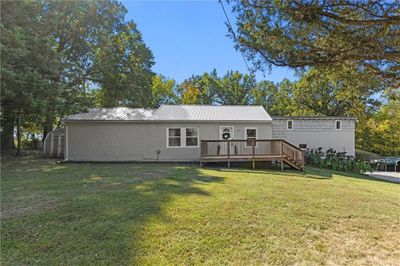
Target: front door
[[225, 133]]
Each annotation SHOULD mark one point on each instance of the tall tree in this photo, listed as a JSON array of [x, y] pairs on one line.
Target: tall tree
[[122, 66], [381, 132], [27, 63], [277, 99], [235, 88], [302, 34], [199, 89], [163, 91], [54, 53], [96, 47], [336, 91]]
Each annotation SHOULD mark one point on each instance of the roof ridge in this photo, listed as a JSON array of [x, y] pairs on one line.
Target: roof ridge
[[124, 107], [214, 105], [177, 113]]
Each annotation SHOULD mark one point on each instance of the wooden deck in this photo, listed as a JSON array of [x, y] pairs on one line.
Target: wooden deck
[[262, 150]]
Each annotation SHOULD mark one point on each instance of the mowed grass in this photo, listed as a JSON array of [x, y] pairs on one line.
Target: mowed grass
[[155, 214]]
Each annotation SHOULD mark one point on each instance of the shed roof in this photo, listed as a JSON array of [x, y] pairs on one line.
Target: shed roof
[[176, 113]]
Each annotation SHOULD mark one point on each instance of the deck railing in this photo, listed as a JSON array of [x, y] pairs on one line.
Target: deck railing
[[251, 149]]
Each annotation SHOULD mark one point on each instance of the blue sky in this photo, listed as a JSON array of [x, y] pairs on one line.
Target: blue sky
[[189, 37]]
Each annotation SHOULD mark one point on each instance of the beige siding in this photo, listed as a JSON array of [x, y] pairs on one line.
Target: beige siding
[[112, 141], [317, 133]]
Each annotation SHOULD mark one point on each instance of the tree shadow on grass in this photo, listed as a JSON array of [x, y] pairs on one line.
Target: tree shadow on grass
[[313, 173], [310, 172], [104, 214]]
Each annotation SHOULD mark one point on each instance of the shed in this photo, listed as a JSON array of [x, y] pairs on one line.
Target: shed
[[54, 143]]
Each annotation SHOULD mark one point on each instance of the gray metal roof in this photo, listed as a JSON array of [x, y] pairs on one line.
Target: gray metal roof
[[111, 114], [212, 112], [176, 113], [314, 118]]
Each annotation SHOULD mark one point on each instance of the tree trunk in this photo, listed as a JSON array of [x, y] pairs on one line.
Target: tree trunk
[[7, 135], [19, 133], [48, 124]]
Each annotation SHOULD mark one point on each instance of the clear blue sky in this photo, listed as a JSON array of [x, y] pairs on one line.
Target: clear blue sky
[[189, 37]]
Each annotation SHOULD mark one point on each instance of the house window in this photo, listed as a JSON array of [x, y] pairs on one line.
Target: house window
[[290, 124], [338, 124], [174, 137], [192, 137], [251, 135], [303, 146], [182, 137]]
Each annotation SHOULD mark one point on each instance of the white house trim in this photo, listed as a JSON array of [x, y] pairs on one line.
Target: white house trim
[[245, 134], [198, 136], [66, 142], [220, 131]]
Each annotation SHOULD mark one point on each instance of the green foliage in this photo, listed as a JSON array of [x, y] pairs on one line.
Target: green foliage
[[336, 161], [162, 90], [198, 89], [235, 88], [381, 132], [55, 54], [302, 34]]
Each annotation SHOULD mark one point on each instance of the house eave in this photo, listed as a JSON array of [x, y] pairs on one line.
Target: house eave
[[165, 121]]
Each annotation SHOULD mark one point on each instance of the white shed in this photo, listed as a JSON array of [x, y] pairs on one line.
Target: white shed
[[54, 143]]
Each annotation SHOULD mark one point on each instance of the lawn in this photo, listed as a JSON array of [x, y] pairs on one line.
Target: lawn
[[152, 214]]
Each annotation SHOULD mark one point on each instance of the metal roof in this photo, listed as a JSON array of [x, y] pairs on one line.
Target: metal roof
[[314, 117], [176, 113], [212, 112], [112, 114]]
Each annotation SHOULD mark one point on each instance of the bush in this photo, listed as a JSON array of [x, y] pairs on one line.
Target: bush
[[336, 161]]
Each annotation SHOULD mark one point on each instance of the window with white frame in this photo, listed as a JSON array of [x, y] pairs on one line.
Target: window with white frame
[[251, 135], [290, 124], [338, 124], [192, 137], [182, 137], [174, 137]]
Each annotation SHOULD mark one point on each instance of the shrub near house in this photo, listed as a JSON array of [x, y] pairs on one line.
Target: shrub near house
[[336, 161]]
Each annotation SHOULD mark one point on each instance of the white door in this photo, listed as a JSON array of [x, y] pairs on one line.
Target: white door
[[225, 133]]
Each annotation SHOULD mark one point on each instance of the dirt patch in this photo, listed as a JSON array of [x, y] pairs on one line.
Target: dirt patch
[[20, 208]]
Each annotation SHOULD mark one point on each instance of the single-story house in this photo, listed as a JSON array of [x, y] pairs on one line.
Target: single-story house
[[175, 133], [169, 133]]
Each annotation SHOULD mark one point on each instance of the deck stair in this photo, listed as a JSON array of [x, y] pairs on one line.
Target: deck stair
[[260, 150]]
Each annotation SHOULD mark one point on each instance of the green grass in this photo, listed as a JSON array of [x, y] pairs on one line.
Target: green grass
[[152, 214]]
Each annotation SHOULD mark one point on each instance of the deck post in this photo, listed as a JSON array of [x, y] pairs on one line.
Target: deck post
[[229, 154], [254, 152], [282, 164]]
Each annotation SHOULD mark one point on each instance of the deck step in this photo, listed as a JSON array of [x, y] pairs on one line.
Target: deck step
[[293, 164]]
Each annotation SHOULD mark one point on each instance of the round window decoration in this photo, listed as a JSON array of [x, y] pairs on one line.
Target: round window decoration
[[226, 135]]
